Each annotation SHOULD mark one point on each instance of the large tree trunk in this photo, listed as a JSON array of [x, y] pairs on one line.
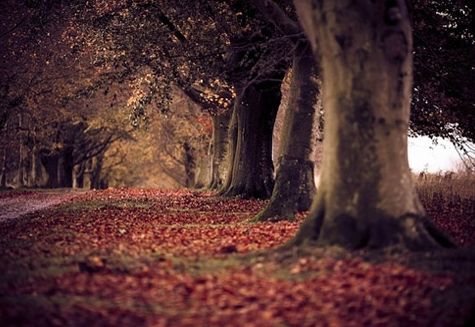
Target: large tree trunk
[[366, 196], [3, 171], [96, 171], [252, 169], [68, 162], [66, 165], [190, 164], [22, 152], [37, 171], [203, 165], [79, 175], [219, 146], [295, 185], [51, 162], [232, 136]]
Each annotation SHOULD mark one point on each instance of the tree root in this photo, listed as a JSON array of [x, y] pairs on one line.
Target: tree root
[[409, 232], [273, 213], [244, 192]]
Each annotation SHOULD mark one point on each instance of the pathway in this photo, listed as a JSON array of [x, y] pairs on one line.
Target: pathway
[[18, 205]]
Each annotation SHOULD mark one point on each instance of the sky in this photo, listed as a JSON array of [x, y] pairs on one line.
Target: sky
[[424, 155]]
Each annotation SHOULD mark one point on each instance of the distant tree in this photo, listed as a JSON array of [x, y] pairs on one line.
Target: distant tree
[[444, 61], [444, 57], [165, 56], [202, 48], [45, 85], [256, 69], [366, 197]]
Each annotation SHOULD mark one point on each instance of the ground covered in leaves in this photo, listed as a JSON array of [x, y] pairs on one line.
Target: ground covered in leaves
[[177, 258]]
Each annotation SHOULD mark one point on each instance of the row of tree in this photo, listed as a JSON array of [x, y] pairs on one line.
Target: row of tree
[[231, 58]]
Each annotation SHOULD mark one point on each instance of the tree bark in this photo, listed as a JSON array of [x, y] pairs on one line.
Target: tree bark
[[232, 136], [203, 166], [51, 162], [190, 164], [252, 170], [96, 171], [219, 146], [66, 165], [3, 171], [37, 171], [22, 169], [79, 175], [366, 197], [295, 184]]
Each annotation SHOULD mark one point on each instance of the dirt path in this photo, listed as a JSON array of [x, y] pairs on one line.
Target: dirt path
[[18, 205]]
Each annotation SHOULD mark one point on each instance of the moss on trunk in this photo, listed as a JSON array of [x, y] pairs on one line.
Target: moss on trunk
[[295, 184]]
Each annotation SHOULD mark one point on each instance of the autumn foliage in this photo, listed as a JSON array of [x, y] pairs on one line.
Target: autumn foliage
[[130, 257]]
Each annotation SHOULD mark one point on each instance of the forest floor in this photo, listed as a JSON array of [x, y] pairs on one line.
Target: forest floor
[[15, 204], [136, 257]]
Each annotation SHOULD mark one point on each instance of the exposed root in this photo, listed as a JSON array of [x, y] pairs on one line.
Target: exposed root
[[244, 192], [274, 213], [309, 232], [408, 232], [442, 238]]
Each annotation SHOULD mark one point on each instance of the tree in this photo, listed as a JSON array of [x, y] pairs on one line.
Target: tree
[[38, 72], [250, 168], [256, 72], [366, 197], [444, 57], [295, 185], [196, 42], [176, 47]]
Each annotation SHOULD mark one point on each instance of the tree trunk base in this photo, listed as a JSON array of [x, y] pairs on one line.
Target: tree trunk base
[[408, 232], [274, 213], [214, 185], [244, 192], [293, 192]]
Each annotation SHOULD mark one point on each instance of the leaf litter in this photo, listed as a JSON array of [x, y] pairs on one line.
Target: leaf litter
[[127, 257]]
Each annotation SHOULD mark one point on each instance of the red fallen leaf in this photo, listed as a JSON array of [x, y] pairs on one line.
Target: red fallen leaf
[[296, 270], [347, 292]]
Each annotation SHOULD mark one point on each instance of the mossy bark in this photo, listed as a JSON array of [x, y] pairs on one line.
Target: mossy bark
[[366, 197], [251, 171], [295, 185]]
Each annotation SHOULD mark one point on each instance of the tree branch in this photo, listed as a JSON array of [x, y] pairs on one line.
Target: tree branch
[[281, 21], [168, 23]]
